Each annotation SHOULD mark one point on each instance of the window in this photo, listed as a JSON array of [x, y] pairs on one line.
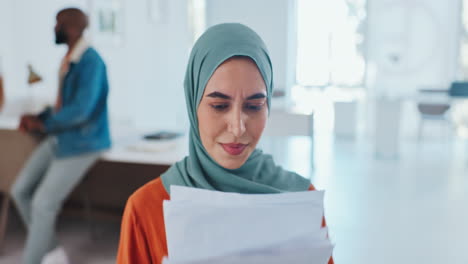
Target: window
[[330, 43], [464, 42]]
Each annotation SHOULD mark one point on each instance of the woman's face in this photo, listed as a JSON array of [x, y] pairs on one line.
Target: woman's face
[[233, 112]]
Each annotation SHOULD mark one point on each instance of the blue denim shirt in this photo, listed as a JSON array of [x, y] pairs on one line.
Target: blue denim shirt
[[81, 125]]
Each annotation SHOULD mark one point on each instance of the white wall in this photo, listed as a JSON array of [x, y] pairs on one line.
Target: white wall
[[145, 70], [5, 30], [27, 37], [272, 20], [148, 67]]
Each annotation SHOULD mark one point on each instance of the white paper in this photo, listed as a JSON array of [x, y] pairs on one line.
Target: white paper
[[303, 250], [182, 193], [211, 225]]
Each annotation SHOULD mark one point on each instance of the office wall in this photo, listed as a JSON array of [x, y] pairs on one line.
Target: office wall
[[149, 66], [273, 20], [27, 37]]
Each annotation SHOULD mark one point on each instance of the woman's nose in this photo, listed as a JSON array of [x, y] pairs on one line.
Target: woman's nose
[[236, 123]]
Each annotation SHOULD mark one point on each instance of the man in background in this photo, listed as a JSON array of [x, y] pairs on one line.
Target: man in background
[[76, 130]]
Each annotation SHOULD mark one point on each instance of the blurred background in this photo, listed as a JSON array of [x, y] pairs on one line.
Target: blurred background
[[369, 103]]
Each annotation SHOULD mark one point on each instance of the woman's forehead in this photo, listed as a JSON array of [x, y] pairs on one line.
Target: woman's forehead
[[237, 73]]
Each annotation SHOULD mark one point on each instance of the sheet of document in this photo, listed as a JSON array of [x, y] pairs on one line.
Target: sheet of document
[[182, 193], [207, 225], [315, 255], [310, 248]]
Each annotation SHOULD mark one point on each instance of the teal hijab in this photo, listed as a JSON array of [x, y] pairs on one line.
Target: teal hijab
[[259, 174]]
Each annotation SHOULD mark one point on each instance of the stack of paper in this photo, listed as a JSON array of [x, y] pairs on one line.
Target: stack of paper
[[215, 227]]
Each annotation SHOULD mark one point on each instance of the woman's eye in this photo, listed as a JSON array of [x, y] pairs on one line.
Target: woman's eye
[[219, 107], [254, 107]]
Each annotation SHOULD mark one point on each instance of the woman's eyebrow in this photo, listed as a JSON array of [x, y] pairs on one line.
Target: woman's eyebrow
[[256, 96], [227, 97], [219, 95]]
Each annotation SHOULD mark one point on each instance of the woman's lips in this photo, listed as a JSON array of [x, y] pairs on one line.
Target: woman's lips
[[234, 148]]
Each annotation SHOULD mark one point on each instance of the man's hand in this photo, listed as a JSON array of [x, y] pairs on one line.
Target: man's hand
[[30, 123], [36, 125], [24, 123]]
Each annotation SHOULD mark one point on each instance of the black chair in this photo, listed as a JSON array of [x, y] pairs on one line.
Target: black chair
[[431, 110]]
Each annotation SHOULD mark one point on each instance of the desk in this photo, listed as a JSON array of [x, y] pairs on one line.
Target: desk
[[289, 122], [140, 151]]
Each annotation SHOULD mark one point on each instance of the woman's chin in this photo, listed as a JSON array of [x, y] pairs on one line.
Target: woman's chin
[[231, 165], [232, 162]]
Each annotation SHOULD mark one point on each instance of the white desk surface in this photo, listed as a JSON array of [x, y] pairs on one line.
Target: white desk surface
[[164, 152], [131, 147], [8, 122]]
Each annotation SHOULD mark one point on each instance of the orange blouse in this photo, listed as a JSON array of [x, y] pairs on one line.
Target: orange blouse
[[143, 235]]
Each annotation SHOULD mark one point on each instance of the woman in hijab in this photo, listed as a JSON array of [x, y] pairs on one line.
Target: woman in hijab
[[228, 87]]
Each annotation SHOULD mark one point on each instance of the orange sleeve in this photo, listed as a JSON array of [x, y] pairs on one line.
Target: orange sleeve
[[143, 235], [324, 224], [133, 246]]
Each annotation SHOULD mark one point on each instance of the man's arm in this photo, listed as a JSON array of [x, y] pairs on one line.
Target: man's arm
[[73, 114]]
